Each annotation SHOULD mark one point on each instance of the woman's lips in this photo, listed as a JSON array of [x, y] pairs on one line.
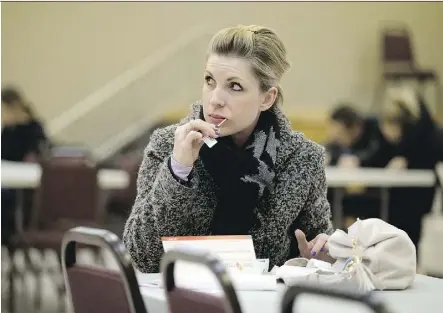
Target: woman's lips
[[216, 119]]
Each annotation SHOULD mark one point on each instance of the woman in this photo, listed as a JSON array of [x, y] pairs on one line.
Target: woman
[[22, 133], [408, 124], [261, 178]]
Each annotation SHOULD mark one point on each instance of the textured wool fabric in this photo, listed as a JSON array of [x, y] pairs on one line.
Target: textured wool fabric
[[164, 206]]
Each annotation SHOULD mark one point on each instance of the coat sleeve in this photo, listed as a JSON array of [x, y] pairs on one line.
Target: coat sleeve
[[162, 206], [315, 216]]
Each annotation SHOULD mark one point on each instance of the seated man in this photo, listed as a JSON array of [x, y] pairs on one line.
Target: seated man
[[356, 140]]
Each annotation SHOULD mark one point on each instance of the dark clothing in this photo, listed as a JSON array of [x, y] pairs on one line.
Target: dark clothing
[[421, 145], [371, 147], [20, 140], [373, 150]]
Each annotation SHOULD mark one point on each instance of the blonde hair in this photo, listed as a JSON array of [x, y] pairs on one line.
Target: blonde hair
[[401, 106], [261, 47]]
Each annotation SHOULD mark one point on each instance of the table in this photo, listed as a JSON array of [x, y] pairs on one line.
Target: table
[[17, 175], [379, 177], [384, 179], [424, 296]]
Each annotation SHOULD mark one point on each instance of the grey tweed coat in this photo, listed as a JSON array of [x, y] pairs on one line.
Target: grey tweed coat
[[165, 207]]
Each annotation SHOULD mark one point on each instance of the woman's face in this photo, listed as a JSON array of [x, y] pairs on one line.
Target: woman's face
[[13, 114], [8, 115], [231, 91]]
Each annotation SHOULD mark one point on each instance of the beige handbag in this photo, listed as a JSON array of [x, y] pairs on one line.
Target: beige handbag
[[372, 255], [377, 254]]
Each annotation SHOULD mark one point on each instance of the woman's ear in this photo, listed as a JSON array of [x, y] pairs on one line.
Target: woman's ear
[[269, 99]]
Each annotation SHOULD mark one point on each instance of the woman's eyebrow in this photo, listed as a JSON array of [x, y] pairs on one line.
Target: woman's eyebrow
[[229, 79], [233, 78]]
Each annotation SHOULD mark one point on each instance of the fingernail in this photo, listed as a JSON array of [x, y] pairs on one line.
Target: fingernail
[[217, 127], [217, 132], [322, 249], [313, 253]]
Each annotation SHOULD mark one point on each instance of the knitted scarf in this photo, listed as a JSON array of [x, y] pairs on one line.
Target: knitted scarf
[[242, 175]]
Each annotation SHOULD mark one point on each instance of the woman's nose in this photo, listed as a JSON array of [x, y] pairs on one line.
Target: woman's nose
[[217, 98]]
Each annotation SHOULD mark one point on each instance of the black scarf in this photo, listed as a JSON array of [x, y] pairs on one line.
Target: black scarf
[[242, 175]]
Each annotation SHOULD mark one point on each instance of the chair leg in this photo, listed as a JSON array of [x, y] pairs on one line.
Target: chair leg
[[11, 275]]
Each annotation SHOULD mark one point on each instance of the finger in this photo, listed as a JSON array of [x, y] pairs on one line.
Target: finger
[[191, 138], [182, 131], [205, 128], [319, 245], [302, 242]]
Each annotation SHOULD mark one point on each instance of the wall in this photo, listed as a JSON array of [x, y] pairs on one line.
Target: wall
[[59, 53]]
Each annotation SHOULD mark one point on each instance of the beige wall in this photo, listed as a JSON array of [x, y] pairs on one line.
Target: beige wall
[[58, 53]]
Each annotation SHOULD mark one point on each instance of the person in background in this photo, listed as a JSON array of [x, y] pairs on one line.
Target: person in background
[[408, 125], [260, 179], [22, 132], [356, 140], [23, 138]]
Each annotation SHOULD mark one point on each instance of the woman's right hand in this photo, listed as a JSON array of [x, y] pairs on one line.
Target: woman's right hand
[[188, 138], [317, 248]]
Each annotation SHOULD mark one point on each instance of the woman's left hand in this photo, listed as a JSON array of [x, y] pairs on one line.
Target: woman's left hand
[[317, 248]]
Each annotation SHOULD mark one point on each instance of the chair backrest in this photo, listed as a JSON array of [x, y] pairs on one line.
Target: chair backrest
[[397, 47], [181, 300], [95, 289], [292, 295], [68, 190]]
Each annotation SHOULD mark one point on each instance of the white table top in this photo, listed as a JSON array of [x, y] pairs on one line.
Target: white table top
[[379, 177], [426, 295], [27, 175]]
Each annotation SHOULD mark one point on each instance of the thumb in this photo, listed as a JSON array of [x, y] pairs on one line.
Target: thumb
[[301, 240]]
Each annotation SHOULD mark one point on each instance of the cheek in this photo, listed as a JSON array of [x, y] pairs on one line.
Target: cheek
[[245, 106]]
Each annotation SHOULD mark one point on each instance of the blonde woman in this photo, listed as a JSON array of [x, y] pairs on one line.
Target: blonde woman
[[261, 178], [407, 123]]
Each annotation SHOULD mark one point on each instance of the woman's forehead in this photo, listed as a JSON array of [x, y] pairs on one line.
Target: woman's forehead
[[229, 67]]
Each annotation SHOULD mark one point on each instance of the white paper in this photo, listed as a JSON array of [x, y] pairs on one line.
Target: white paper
[[236, 252], [210, 142]]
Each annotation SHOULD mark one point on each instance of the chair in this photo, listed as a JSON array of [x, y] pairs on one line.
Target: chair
[[292, 295], [399, 64], [99, 290], [68, 196], [181, 300]]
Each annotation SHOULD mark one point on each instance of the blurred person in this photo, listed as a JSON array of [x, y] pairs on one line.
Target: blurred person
[[261, 178], [355, 140], [23, 138], [22, 133], [408, 124]]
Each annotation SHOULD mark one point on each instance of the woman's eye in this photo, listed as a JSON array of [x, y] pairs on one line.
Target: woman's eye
[[209, 80], [236, 87]]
